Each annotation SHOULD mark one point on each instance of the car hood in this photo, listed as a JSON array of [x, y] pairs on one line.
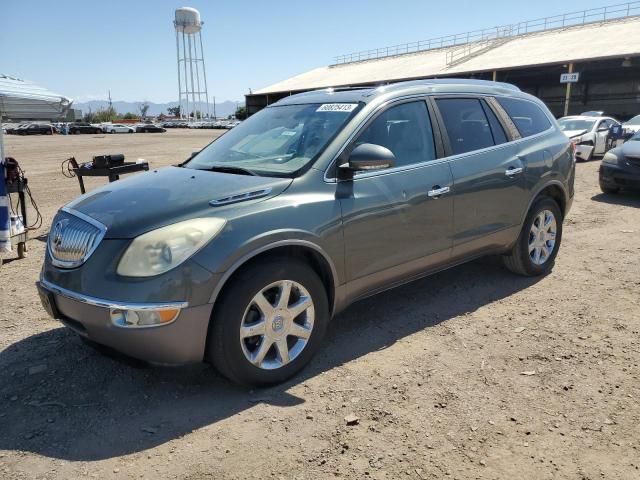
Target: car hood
[[574, 133], [631, 148], [141, 203]]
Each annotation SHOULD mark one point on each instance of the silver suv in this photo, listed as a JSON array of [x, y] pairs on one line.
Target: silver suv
[[241, 255]]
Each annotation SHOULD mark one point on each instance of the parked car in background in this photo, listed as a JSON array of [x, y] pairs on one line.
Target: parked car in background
[[233, 124], [117, 128], [149, 128], [14, 128], [78, 128], [620, 167], [587, 133], [593, 113], [242, 254], [37, 129], [632, 125]]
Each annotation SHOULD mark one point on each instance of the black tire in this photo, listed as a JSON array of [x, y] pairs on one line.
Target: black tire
[[519, 260], [609, 190], [224, 349]]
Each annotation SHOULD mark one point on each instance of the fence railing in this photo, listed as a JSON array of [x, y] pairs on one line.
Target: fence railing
[[594, 15]]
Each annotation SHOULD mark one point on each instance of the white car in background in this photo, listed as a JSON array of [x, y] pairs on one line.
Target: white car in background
[[117, 128], [588, 134], [632, 126]]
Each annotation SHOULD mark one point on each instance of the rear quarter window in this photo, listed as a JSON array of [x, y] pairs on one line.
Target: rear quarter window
[[527, 116]]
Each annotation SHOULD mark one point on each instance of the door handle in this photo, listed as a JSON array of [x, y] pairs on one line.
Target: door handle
[[436, 191], [513, 171]]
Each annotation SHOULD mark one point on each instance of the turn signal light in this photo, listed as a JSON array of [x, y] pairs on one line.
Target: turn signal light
[[143, 318]]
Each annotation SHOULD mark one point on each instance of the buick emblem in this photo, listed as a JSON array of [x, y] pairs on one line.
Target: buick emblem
[[277, 324]]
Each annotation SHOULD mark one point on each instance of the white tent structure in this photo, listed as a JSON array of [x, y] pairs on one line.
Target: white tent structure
[[22, 100]]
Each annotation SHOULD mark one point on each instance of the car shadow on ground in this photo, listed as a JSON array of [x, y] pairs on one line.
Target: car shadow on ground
[[62, 399], [628, 199]]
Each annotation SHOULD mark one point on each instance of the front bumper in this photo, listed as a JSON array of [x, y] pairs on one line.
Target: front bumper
[[179, 342], [583, 152], [614, 176]]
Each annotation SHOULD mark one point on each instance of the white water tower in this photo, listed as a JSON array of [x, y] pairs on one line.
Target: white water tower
[[192, 76]]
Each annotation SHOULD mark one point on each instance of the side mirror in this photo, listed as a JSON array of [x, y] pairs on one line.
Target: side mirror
[[368, 156]]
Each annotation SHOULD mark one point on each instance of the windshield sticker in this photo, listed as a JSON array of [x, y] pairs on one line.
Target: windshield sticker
[[337, 107]]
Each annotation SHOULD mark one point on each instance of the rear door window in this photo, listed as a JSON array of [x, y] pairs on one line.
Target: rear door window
[[466, 124], [527, 116]]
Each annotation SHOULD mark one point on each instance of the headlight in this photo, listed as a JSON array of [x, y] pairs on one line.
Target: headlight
[[161, 250], [577, 139], [609, 158]]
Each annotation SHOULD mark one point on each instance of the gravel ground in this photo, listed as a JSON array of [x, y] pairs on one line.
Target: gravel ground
[[470, 373]]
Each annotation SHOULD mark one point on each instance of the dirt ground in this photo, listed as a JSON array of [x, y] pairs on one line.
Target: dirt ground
[[471, 373]]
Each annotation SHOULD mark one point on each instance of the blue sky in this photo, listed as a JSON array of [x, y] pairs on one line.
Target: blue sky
[[82, 48]]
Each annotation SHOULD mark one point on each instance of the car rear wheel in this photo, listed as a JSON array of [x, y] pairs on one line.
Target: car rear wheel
[[269, 322], [535, 251]]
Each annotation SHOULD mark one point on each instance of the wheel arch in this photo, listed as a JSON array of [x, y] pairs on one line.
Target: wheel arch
[[317, 258], [555, 190]]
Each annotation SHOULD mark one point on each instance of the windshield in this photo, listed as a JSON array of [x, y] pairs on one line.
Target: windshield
[[571, 124], [634, 121], [277, 141]]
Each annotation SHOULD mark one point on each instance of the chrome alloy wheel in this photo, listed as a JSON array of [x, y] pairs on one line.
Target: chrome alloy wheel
[[542, 237], [277, 324]]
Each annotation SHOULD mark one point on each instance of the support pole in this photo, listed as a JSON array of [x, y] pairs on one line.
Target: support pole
[[567, 96], [193, 87], [495, 75], [196, 61], [186, 81], [204, 76], [179, 83]]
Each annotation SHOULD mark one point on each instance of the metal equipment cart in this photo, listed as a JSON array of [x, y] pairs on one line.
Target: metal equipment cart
[[112, 172], [20, 239]]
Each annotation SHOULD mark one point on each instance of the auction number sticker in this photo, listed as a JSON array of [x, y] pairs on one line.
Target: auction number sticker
[[337, 107]]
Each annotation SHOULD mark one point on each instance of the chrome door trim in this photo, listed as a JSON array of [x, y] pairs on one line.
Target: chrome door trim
[[385, 171], [512, 172], [436, 192]]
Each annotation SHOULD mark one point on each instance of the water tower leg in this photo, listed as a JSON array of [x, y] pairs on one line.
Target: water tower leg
[[204, 75]]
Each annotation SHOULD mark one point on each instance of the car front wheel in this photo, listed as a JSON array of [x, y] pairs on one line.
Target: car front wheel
[[268, 323], [535, 251]]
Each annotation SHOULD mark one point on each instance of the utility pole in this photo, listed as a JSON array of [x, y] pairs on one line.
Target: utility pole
[[214, 107], [567, 96]]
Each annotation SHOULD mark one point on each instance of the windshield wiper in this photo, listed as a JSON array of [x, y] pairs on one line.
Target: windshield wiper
[[229, 169]]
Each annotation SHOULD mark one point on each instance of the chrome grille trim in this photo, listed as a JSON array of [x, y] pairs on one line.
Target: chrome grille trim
[[73, 237]]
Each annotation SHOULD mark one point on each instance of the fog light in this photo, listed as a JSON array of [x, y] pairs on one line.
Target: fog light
[[143, 318]]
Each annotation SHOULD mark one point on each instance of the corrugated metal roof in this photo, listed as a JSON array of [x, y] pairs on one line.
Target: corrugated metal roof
[[618, 38], [20, 99]]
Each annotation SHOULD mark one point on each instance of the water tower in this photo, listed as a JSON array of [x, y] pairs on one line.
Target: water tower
[[192, 76]]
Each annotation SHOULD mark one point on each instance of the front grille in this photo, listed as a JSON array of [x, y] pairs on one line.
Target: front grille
[[72, 239]]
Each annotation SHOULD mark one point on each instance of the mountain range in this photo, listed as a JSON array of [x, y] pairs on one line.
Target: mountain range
[[223, 109]]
